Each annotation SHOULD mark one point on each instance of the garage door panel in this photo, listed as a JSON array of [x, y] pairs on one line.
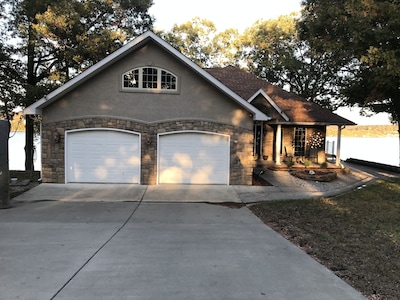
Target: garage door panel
[[193, 158], [103, 156]]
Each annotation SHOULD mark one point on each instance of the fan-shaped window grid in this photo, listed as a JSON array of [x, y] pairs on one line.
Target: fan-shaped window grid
[[149, 79]]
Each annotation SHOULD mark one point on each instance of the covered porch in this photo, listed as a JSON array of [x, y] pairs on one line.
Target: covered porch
[[285, 146]]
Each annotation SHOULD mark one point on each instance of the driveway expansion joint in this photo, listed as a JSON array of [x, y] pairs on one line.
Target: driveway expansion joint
[[100, 248]]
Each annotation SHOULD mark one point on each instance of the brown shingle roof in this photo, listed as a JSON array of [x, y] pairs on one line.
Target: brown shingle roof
[[298, 109]]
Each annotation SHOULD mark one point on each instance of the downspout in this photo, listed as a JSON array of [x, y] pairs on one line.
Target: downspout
[[278, 145], [339, 137]]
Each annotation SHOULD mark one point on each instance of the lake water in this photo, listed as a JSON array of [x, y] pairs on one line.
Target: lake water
[[383, 150], [16, 152]]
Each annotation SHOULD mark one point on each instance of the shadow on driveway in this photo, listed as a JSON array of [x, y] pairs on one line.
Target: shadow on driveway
[[138, 250]]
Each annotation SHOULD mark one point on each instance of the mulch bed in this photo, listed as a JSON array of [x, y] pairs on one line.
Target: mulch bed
[[315, 175]]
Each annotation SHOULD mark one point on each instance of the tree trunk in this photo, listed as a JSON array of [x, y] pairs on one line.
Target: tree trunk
[[29, 150], [31, 82], [4, 167], [398, 127]]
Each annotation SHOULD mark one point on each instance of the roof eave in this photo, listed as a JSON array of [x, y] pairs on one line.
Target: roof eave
[[34, 108], [313, 123], [37, 107]]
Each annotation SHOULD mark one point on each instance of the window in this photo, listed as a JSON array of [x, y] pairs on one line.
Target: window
[[131, 79], [299, 141], [149, 78], [258, 131]]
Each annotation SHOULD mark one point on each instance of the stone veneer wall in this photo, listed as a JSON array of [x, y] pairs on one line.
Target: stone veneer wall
[[53, 135]]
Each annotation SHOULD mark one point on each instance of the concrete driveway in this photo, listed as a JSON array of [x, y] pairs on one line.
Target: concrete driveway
[[145, 250]]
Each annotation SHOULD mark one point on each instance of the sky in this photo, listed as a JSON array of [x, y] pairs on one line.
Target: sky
[[223, 13], [239, 15]]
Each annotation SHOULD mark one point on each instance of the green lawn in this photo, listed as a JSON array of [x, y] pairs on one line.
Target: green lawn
[[356, 235]]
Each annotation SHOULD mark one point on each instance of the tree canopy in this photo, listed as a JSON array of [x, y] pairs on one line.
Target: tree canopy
[[199, 40], [273, 50], [11, 93], [363, 36], [57, 39]]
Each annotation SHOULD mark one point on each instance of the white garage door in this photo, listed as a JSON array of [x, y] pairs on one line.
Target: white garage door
[[193, 158], [102, 156]]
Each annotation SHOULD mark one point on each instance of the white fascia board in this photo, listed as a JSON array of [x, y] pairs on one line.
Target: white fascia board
[[270, 101], [33, 108], [125, 50]]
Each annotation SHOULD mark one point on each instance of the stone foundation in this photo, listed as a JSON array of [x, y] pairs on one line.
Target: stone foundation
[[53, 145]]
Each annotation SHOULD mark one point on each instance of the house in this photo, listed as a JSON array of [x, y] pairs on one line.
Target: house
[[146, 114]]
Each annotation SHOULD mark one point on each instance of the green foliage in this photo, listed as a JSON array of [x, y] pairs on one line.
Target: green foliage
[[274, 51], [363, 38], [289, 163], [11, 93], [70, 36], [199, 40]]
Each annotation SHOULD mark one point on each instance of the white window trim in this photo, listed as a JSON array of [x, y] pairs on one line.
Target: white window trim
[[150, 90]]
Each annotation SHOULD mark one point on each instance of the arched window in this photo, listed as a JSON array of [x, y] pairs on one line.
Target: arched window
[[149, 78]]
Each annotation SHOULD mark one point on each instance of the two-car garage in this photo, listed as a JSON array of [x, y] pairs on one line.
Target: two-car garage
[[114, 156]]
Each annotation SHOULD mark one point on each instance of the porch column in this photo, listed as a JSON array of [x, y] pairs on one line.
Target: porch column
[[339, 136], [278, 138]]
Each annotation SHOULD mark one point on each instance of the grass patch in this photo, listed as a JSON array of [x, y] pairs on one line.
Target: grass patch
[[356, 235]]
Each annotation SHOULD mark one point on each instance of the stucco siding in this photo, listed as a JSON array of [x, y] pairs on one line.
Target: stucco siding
[[103, 95]]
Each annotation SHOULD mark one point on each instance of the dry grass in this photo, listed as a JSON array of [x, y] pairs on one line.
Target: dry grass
[[356, 235]]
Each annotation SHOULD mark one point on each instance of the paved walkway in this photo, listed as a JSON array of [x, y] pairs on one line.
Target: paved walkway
[[284, 187]]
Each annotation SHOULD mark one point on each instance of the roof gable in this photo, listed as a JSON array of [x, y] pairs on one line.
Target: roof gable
[[138, 42], [262, 93]]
